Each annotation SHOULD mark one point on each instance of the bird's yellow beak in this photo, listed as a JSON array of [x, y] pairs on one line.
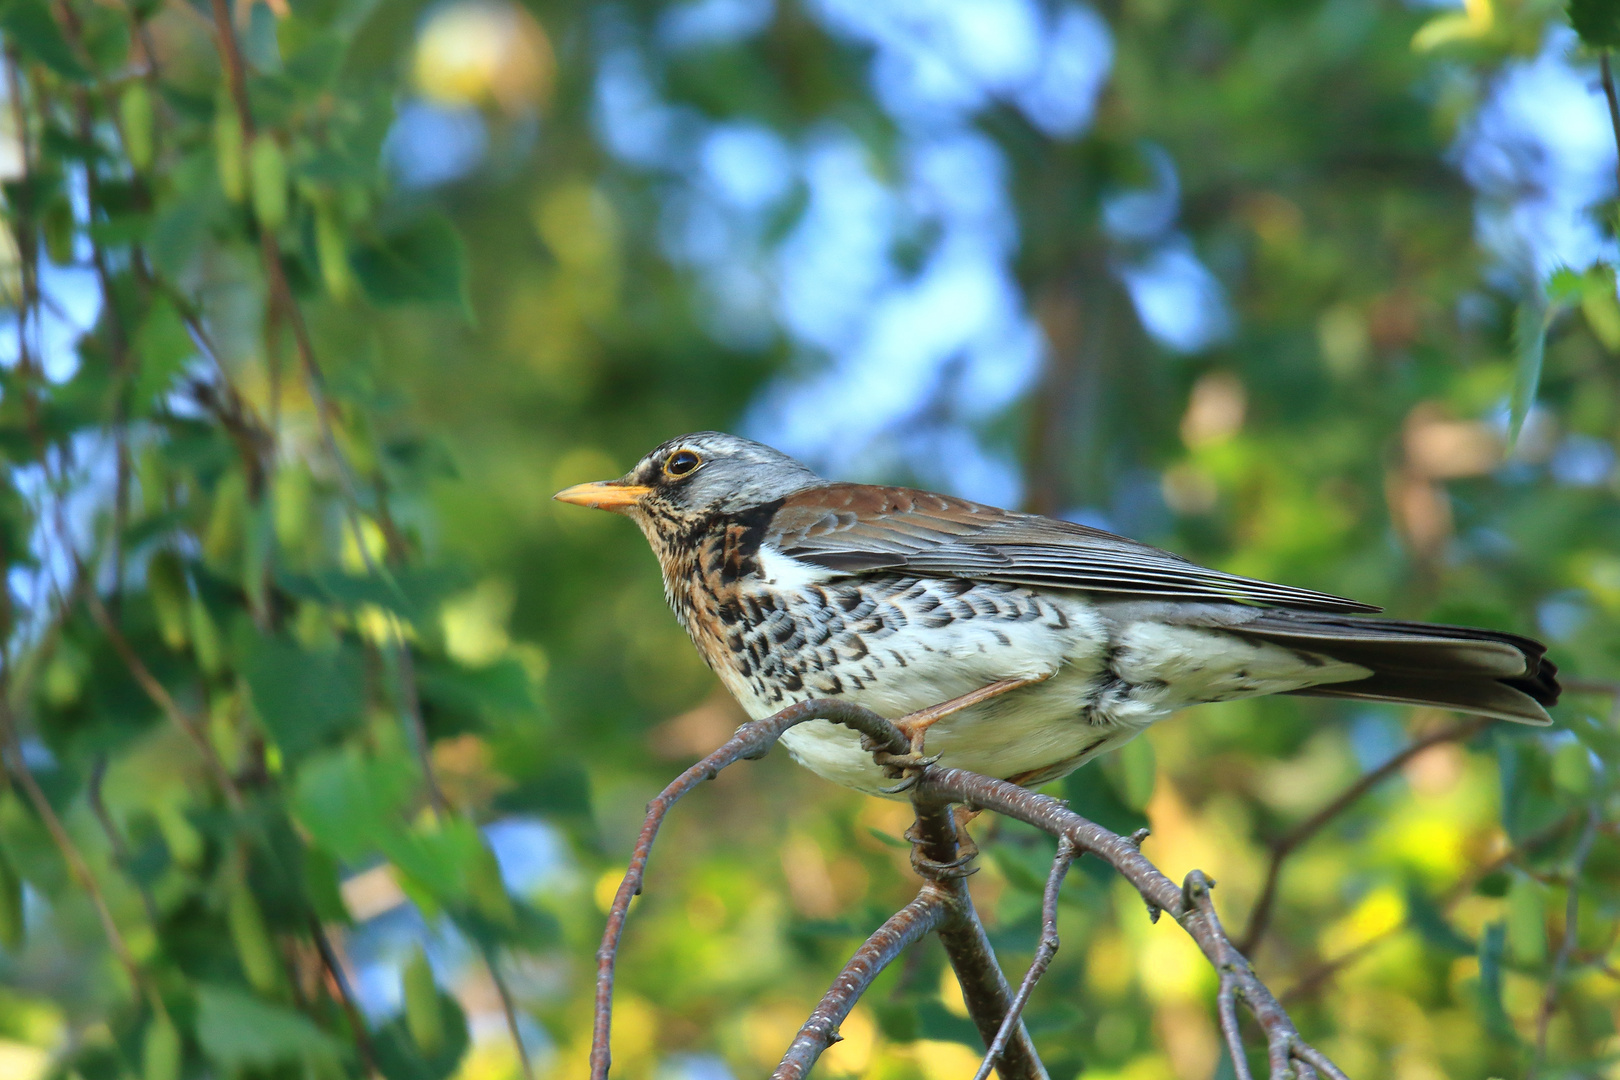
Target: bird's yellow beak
[[603, 495]]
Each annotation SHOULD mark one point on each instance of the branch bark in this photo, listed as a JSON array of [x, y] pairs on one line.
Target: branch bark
[[1189, 904], [752, 740], [945, 898], [967, 946], [904, 928]]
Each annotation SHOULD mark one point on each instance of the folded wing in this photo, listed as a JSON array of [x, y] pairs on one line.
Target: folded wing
[[861, 528]]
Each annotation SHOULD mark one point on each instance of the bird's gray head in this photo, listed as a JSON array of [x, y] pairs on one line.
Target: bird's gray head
[[696, 476]]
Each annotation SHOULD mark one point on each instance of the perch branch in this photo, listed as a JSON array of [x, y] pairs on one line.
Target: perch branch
[[904, 928], [1291, 841], [984, 987], [1189, 904], [935, 855], [1044, 952], [752, 740]]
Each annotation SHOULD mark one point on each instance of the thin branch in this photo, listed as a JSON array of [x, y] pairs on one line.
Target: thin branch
[[1572, 908], [160, 696], [984, 987], [1289, 842], [11, 746], [343, 992], [115, 839], [509, 1009], [935, 854], [1044, 952], [1189, 905], [904, 928], [1311, 980], [752, 740]]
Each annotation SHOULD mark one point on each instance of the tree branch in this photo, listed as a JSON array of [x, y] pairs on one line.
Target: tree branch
[[160, 695], [752, 740], [1189, 904], [11, 755], [1044, 952], [984, 988], [935, 855], [1285, 845], [905, 927]]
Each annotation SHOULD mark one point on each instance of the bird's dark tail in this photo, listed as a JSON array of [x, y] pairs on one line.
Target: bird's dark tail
[[1484, 672]]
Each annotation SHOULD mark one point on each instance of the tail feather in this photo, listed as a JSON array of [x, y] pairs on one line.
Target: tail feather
[[1487, 672]]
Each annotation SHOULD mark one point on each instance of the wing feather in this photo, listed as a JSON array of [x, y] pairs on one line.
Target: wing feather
[[861, 528]]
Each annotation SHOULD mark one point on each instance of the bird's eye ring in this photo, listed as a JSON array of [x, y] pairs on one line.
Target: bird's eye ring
[[681, 463]]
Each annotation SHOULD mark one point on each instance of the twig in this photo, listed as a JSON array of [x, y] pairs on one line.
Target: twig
[[935, 854], [115, 840], [11, 746], [905, 927], [1285, 845], [984, 987], [752, 740], [1327, 969], [1044, 952], [1572, 907], [160, 695], [1189, 905], [509, 1010], [343, 992]]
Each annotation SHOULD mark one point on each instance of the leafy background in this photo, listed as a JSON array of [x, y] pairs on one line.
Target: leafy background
[[326, 732]]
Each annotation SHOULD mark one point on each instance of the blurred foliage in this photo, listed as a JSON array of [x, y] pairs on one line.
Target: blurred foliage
[[326, 732]]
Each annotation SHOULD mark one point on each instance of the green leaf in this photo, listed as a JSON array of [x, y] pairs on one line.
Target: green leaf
[[315, 66], [1597, 22], [501, 687], [349, 803], [1527, 920], [1431, 924], [442, 861], [1530, 323], [240, 1031], [421, 262], [1025, 868], [1491, 945], [566, 792], [29, 25], [399, 1058], [413, 592], [1132, 770], [305, 699], [163, 346]]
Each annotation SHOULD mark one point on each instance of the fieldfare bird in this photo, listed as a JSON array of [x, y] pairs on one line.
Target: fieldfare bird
[[1048, 642]]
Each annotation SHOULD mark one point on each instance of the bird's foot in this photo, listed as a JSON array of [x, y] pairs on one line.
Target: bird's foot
[[936, 870], [895, 766]]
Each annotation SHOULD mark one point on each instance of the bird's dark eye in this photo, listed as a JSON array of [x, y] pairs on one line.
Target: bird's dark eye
[[680, 463]]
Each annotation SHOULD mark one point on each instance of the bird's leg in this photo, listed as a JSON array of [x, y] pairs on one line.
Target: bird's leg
[[915, 725]]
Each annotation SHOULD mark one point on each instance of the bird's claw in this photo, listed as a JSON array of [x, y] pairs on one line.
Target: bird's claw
[[895, 765], [937, 870]]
